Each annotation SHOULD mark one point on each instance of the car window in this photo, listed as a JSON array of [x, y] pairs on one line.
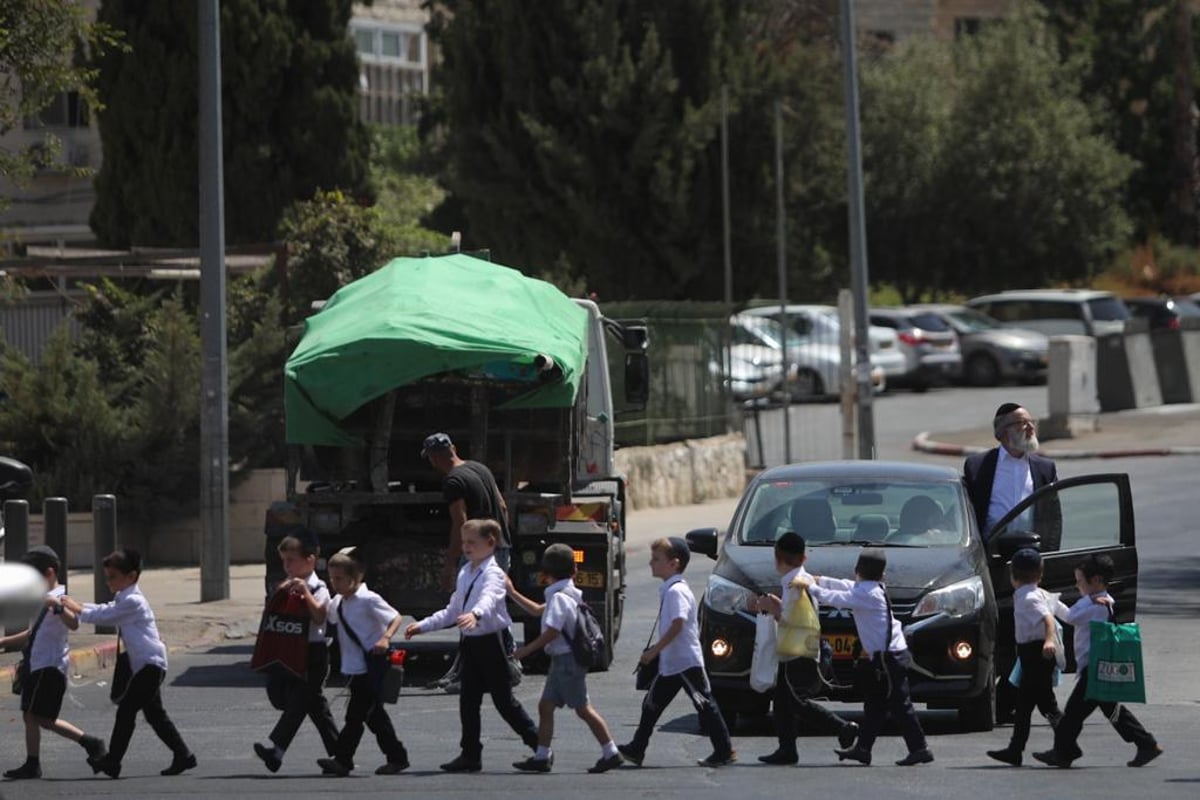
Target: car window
[[1185, 308], [971, 321], [914, 514], [1108, 309], [1076, 518], [929, 321], [885, 322], [1053, 309], [1008, 310], [743, 336]]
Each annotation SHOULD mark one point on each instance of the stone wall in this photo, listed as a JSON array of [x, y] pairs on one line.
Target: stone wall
[[681, 473]]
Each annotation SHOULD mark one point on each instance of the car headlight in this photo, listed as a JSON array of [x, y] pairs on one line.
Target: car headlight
[[955, 600], [725, 596]]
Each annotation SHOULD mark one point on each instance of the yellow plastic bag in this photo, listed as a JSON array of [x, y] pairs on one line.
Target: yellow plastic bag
[[799, 628]]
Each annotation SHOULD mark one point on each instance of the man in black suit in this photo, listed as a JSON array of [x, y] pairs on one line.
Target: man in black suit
[[1005, 475]]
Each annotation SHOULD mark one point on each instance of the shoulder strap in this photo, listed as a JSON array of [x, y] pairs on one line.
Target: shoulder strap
[[34, 630], [350, 630], [654, 627]]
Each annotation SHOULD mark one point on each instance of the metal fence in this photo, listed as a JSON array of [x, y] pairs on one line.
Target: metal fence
[[29, 321], [689, 351]]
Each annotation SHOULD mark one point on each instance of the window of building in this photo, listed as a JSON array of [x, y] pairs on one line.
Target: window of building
[[967, 26], [66, 110], [376, 41]]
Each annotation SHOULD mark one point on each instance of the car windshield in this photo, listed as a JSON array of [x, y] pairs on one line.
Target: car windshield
[[1108, 309], [968, 320], [888, 513]]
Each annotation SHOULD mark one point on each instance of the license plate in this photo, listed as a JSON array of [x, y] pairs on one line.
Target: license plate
[[585, 579], [842, 644]]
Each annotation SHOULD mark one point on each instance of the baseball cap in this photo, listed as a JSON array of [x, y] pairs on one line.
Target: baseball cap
[[434, 443]]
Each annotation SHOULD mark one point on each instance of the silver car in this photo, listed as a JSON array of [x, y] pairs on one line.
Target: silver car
[[992, 352], [928, 342]]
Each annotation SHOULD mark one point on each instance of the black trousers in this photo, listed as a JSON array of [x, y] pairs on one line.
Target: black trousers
[[485, 670], [144, 694], [1079, 707], [796, 683], [306, 697], [888, 693], [1036, 691], [364, 708], [662, 691]]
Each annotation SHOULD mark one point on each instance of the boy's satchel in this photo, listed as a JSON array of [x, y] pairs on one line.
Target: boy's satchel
[[122, 673], [515, 673], [21, 676], [1115, 667], [283, 634], [382, 678], [646, 673], [799, 629], [587, 640]]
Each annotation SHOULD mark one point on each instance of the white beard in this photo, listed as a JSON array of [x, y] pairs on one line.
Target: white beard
[[1022, 443]]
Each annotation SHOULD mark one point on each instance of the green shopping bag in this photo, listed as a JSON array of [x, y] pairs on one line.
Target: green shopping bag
[[1115, 667]]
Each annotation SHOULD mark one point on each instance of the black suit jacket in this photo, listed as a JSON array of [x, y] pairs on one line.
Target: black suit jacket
[[979, 472]]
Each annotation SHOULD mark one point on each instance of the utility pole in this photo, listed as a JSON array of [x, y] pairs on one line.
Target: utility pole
[[214, 401], [781, 263], [858, 240], [726, 231]]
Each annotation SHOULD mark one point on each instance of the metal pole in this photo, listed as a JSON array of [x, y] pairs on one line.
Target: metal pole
[[781, 262], [16, 539], [104, 541], [214, 416], [54, 520], [858, 240], [726, 228], [846, 388]]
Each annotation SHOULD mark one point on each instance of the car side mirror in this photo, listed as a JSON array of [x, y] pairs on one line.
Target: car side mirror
[[703, 541], [637, 379], [1008, 543]]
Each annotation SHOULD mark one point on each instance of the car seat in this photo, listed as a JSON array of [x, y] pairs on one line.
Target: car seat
[[872, 528], [812, 518], [919, 514]]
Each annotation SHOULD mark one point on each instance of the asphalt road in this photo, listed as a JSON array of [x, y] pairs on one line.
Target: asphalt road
[[221, 708]]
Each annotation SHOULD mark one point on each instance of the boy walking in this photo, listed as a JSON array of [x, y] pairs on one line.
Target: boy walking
[[1092, 577], [566, 684], [681, 661], [884, 673], [1037, 653], [304, 695], [799, 678], [47, 659]]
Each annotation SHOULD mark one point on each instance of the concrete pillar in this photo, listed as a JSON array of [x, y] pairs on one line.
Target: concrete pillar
[[1071, 387], [54, 520]]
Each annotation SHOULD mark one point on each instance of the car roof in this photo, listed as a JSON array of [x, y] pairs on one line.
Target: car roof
[[1081, 295], [862, 470], [791, 308]]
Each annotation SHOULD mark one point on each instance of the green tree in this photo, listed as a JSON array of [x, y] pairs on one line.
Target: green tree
[[985, 169], [407, 191], [289, 73]]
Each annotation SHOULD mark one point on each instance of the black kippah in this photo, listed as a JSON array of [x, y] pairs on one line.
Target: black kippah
[[1007, 408], [871, 563]]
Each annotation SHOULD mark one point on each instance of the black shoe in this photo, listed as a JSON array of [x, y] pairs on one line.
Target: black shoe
[[106, 765], [1051, 758], [718, 759], [30, 770], [393, 767], [922, 756], [780, 758], [462, 764], [333, 766], [605, 764], [1144, 756], [533, 764], [847, 735], [629, 754], [855, 754], [1007, 755], [267, 754], [180, 764], [94, 746]]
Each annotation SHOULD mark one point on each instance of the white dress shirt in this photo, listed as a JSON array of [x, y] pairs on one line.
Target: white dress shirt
[[320, 593], [480, 591], [561, 613], [1011, 484], [368, 615], [684, 651], [132, 614], [877, 629], [1030, 608], [1080, 616], [50, 648]]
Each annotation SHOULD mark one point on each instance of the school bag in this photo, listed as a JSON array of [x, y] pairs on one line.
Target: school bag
[[587, 640], [799, 629]]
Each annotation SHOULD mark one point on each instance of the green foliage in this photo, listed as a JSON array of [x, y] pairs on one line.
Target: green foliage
[[984, 168], [406, 192], [288, 115]]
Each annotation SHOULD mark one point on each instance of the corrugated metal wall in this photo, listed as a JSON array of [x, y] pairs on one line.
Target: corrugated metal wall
[[29, 321]]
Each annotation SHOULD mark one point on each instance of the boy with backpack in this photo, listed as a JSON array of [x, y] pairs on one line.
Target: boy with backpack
[[568, 643]]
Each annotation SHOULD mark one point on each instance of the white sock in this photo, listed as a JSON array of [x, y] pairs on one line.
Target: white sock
[[542, 754], [609, 749]]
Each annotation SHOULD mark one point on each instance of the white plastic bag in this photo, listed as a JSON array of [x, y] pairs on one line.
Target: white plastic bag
[[764, 664]]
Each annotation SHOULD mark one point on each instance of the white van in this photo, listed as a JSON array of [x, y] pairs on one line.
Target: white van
[[1057, 312]]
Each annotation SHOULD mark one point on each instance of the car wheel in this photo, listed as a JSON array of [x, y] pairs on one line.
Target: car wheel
[[982, 370], [920, 385], [807, 385], [978, 714]]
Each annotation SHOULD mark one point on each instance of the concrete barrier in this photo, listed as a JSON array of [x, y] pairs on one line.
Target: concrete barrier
[[1171, 366], [681, 473], [1189, 337], [1139, 355], [1071, 388]]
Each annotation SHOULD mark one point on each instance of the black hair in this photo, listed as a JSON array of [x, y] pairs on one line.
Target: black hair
[[789, 548], [43, 559], [302, 546], [1097, 565], [125, 561]]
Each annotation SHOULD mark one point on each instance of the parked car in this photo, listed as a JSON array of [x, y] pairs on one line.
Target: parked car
[[1163, 312], [818, 330], [929, 345], [948, 585], [992, 352], [1056, 312]]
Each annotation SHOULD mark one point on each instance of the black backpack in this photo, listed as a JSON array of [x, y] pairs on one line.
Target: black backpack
[[587, 640]]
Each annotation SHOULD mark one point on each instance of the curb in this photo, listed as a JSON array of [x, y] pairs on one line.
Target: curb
[[83, 661], [924, 444]]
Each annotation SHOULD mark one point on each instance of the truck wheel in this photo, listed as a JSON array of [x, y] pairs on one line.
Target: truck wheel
[[978, 715]]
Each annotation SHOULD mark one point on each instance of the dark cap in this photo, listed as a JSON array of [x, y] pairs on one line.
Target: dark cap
[[871, 563], [42, 557], [679, 549], [40, 550], [303, 534], [435, 443], [1007, 408], [1026, 560], [558, 560]]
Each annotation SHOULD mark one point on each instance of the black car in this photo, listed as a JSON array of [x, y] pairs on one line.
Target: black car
[[1163, 312], [948, 585]]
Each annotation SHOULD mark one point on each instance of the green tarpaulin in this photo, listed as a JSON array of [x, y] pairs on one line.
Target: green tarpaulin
[[418, 317]]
